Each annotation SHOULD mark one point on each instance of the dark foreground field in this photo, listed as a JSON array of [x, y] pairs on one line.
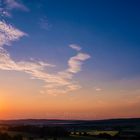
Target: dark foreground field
[[115, 129]]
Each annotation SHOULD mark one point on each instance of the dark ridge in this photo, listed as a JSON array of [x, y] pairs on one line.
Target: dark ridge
[[71, 122]]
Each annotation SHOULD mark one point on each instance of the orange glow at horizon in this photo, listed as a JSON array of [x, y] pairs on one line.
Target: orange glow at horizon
[[61, 109], [22, 100]]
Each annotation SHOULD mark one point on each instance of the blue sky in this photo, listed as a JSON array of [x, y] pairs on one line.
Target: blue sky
[[107, 31]]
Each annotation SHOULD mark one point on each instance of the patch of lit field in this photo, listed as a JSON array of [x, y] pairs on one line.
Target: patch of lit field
[[74, 137], [97, 132]]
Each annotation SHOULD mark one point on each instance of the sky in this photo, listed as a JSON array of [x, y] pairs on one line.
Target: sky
[[69, 59]]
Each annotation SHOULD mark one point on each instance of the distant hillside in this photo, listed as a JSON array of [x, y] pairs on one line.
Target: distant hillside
[[131, 121]]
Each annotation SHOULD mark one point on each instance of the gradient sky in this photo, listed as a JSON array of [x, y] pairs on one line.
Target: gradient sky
[[69, 59]]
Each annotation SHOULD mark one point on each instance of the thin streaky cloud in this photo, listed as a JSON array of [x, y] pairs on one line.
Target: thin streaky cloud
[[44, 24], [14, 4], [6, 7], [75, 47], [98, 89], [8, 33], [61, 82]]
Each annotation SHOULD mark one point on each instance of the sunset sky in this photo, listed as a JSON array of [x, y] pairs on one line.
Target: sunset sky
[[69, 59]]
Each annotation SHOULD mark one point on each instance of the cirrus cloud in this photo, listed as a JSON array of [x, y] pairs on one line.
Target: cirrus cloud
[[60, 82], [75, 47], [6, 7], [14, 4]]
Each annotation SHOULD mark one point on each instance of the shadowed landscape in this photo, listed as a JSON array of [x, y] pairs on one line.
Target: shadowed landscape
[[43, 129]]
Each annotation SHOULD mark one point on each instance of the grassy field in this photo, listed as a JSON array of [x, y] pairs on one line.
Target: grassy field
[[72, 137], [96, 132]]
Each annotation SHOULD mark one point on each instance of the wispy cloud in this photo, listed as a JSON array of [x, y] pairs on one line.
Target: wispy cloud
[[6, 6], [14, 4], [75, 47], [44, 24], [4, 13], [76, 62], [8, 34], [98, 89], [60, 82]]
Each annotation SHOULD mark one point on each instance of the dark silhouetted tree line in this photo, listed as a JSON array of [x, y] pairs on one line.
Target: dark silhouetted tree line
[[5, 136], [41, 131]]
